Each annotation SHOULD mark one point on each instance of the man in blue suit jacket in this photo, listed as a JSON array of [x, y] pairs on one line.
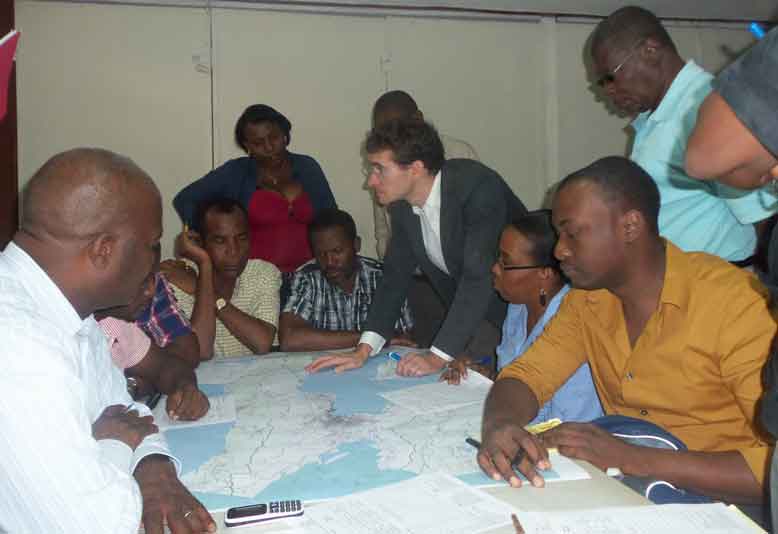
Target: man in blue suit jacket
[[446, 219]]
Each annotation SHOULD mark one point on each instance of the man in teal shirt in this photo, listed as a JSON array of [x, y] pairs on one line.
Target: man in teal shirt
[[642, 74]]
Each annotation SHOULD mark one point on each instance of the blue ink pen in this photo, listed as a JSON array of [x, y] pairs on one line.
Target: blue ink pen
[[395, 356], [757, 30]]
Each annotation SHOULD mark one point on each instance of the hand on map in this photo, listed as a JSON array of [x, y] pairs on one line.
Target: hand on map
[[501, 445], [187, 403], [420, 364], [456, 370], [126, 426], [402, 340], [166, 500], [585, 441], [341, 361]]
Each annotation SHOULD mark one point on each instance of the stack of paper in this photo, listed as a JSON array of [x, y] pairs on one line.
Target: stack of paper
[[668, 518], [439, 503], [222, 410]]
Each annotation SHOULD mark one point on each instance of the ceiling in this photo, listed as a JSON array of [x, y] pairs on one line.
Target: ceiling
[[744, 10]]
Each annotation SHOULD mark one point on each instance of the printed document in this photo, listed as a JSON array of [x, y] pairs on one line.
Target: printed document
[[222, 410]]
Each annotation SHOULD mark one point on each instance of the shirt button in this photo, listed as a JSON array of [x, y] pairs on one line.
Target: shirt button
[[629, 375], [643, 412]]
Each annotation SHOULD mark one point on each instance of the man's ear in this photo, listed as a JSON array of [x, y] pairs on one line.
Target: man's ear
[[357, 244], [101, 250], [634, 225], [418, 167]]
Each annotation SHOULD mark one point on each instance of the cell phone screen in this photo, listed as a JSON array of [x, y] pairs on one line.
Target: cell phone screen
[[246, 511]]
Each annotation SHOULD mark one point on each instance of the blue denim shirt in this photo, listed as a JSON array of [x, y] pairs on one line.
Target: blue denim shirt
[[577, 399]]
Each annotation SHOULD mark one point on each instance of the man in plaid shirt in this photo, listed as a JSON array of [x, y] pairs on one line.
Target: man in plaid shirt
[[331, 294], [164, 322]]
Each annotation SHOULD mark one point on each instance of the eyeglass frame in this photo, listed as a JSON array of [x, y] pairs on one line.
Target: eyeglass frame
[[380, 170], [520, 267], [610, 77]]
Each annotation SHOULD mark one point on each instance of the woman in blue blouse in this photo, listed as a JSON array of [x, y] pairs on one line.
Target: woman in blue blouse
[[527, 275], [281, 191]]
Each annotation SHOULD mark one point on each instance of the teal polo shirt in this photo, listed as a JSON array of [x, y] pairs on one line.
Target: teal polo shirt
[[696, 215]]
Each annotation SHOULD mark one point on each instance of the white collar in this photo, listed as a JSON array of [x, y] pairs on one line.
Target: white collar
[[433, 201]]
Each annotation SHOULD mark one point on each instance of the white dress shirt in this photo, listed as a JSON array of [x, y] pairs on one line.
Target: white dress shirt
[[57, 379], [429, 218]]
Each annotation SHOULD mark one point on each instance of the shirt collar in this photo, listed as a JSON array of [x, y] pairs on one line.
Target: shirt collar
[[432, 204], [668, 107], [674, 288], [46, 295]]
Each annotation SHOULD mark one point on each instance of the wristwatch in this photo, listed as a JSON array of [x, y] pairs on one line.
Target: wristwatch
[[220, 303]]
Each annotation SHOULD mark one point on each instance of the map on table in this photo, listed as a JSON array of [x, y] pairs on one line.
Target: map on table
[[320, 436]]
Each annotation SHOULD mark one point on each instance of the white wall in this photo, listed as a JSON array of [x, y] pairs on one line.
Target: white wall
[[126, 77]]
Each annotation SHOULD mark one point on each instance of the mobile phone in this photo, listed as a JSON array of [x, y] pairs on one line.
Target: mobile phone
[[255, 513]]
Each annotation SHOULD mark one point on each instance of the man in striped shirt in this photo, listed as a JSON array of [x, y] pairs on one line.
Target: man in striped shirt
[[332, 293]]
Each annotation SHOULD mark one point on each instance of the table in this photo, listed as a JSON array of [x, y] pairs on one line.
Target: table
[[332, 413]]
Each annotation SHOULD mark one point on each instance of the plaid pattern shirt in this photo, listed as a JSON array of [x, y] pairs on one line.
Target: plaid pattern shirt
[[328, 307], [163, 320]]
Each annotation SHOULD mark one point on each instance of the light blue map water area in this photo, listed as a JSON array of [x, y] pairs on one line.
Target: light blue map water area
[[353, 466]]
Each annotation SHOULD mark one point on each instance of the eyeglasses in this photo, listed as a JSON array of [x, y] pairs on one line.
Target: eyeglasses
[[379, 170], [610, 77], [519, 267]]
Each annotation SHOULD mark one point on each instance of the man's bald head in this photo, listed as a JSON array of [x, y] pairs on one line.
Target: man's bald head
[[626, 27], [394, 105], [83, 192]]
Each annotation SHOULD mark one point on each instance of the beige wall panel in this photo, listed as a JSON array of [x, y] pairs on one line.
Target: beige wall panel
[[322, 72], [116, 77], [588, 128], [720, 46], [481, 81]]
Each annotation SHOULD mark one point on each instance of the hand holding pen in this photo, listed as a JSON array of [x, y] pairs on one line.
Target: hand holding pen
[[456, 370], [507, 448]]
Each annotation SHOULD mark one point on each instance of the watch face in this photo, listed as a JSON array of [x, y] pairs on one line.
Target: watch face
[[220, 303]]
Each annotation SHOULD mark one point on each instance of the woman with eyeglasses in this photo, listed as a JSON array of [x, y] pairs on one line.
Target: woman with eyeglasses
[[281, 191], [526, 274]]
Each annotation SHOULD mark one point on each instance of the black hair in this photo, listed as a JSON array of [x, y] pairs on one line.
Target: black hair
[[217, 205], [410, 140], [626, 27], [333, 218], [260, 113], [536, 226], [396, 100], [622, 181]]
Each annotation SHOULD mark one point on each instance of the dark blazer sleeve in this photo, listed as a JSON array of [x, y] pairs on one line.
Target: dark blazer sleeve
[[484, 213], [309, 173], [234, 179], [399, 264]]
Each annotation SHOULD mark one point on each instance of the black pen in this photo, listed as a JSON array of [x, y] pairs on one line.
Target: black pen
[[154, 400], [516, 459]]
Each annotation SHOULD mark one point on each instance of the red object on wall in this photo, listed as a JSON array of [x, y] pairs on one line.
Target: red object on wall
[[7, 52], [9, 181]]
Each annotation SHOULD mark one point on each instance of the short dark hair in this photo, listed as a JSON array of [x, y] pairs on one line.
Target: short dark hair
[[536, 226], [621, 181], [218, 205], [333, 218], [260, 113], [410, 140], [396, 100], [627, 26]]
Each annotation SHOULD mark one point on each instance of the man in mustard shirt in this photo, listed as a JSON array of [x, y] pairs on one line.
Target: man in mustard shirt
[[673, 338]]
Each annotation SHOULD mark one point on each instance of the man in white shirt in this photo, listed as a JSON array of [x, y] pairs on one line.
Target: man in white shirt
[[75, 454], [447, 216]]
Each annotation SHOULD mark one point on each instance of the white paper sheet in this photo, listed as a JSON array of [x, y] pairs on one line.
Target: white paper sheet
[[222, 410], [439, 504], [440, 396], [668, 518]]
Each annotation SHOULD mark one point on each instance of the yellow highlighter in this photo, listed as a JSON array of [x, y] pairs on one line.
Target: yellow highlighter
[[539, 428]]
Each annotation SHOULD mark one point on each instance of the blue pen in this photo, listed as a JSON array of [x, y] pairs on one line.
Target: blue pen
[[756, 29], [393, 355]]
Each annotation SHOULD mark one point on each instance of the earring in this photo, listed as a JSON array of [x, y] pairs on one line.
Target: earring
[[543, 297]]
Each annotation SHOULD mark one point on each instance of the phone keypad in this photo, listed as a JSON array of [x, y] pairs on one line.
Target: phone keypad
[[285, 506]]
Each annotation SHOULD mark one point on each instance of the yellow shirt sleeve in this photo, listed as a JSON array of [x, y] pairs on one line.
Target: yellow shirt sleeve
[[744, 343], [555, 355]]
